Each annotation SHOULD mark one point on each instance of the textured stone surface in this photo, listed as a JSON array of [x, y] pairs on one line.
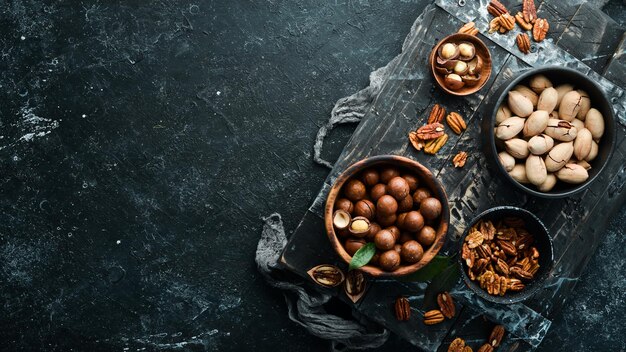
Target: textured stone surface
[[140, 144]]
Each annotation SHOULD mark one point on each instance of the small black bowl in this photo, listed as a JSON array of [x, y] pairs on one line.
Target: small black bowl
[[557, 75], [542, 241]]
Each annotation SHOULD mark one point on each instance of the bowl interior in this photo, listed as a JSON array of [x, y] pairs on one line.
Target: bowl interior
[[542, 242], [559, 75], [426, 179], [481, 50]]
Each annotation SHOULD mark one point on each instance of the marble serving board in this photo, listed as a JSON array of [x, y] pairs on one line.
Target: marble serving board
[[403, 100]]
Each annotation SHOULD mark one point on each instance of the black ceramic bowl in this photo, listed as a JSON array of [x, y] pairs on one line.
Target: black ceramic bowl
[[542, 241], [557, 75]]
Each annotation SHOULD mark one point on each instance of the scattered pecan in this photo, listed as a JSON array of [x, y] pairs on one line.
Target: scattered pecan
[[433, 146], [430, 131], [457, 345], [519, 18], [529, 10], [433, 317], [446, 305], [326, 275], [485, 348], [436, 114], [459, 159], [456, 122], [523, 43], [540, 29], [354, 286], [502, 24], [495, 8], [496, 335], [469, 28], [507, 22], [403, 309], [416, 142]]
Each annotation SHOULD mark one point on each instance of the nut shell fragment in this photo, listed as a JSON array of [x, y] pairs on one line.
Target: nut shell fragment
[[326, 275]]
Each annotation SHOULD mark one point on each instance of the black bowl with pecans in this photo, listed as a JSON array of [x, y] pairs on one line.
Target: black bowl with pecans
[[510, 259]]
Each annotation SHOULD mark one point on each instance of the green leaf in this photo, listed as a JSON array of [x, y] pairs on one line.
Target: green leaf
[[436, 266], [441, 283], [363, 256]]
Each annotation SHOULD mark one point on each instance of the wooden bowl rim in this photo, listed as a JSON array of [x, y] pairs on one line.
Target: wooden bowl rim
[[402, 162], [457, 37]]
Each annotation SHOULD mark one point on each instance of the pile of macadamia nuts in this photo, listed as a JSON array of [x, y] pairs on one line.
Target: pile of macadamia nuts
[[548, 134], [391, 208]]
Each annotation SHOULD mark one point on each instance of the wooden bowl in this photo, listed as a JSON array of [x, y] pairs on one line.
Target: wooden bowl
[[481, 50], [426, 179], [557, 75]]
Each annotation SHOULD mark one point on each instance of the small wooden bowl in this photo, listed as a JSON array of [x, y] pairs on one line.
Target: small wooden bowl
[[427, 179], [481, 50]]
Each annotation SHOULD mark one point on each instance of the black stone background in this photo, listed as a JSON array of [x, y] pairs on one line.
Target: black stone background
[[171, 128]]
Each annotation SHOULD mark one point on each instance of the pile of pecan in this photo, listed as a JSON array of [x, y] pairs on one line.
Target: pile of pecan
[[495, 338], [432, 137], [501, 258], [527, 20]]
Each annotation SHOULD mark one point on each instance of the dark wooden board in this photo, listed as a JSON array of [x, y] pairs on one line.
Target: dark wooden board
[[402, 102]]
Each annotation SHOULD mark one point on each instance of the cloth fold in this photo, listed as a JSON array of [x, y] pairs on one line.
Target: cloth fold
[[306, 306]]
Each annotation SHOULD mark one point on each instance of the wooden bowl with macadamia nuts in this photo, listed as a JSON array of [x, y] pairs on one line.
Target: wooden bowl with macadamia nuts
[[551, 131], [395, 203]]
